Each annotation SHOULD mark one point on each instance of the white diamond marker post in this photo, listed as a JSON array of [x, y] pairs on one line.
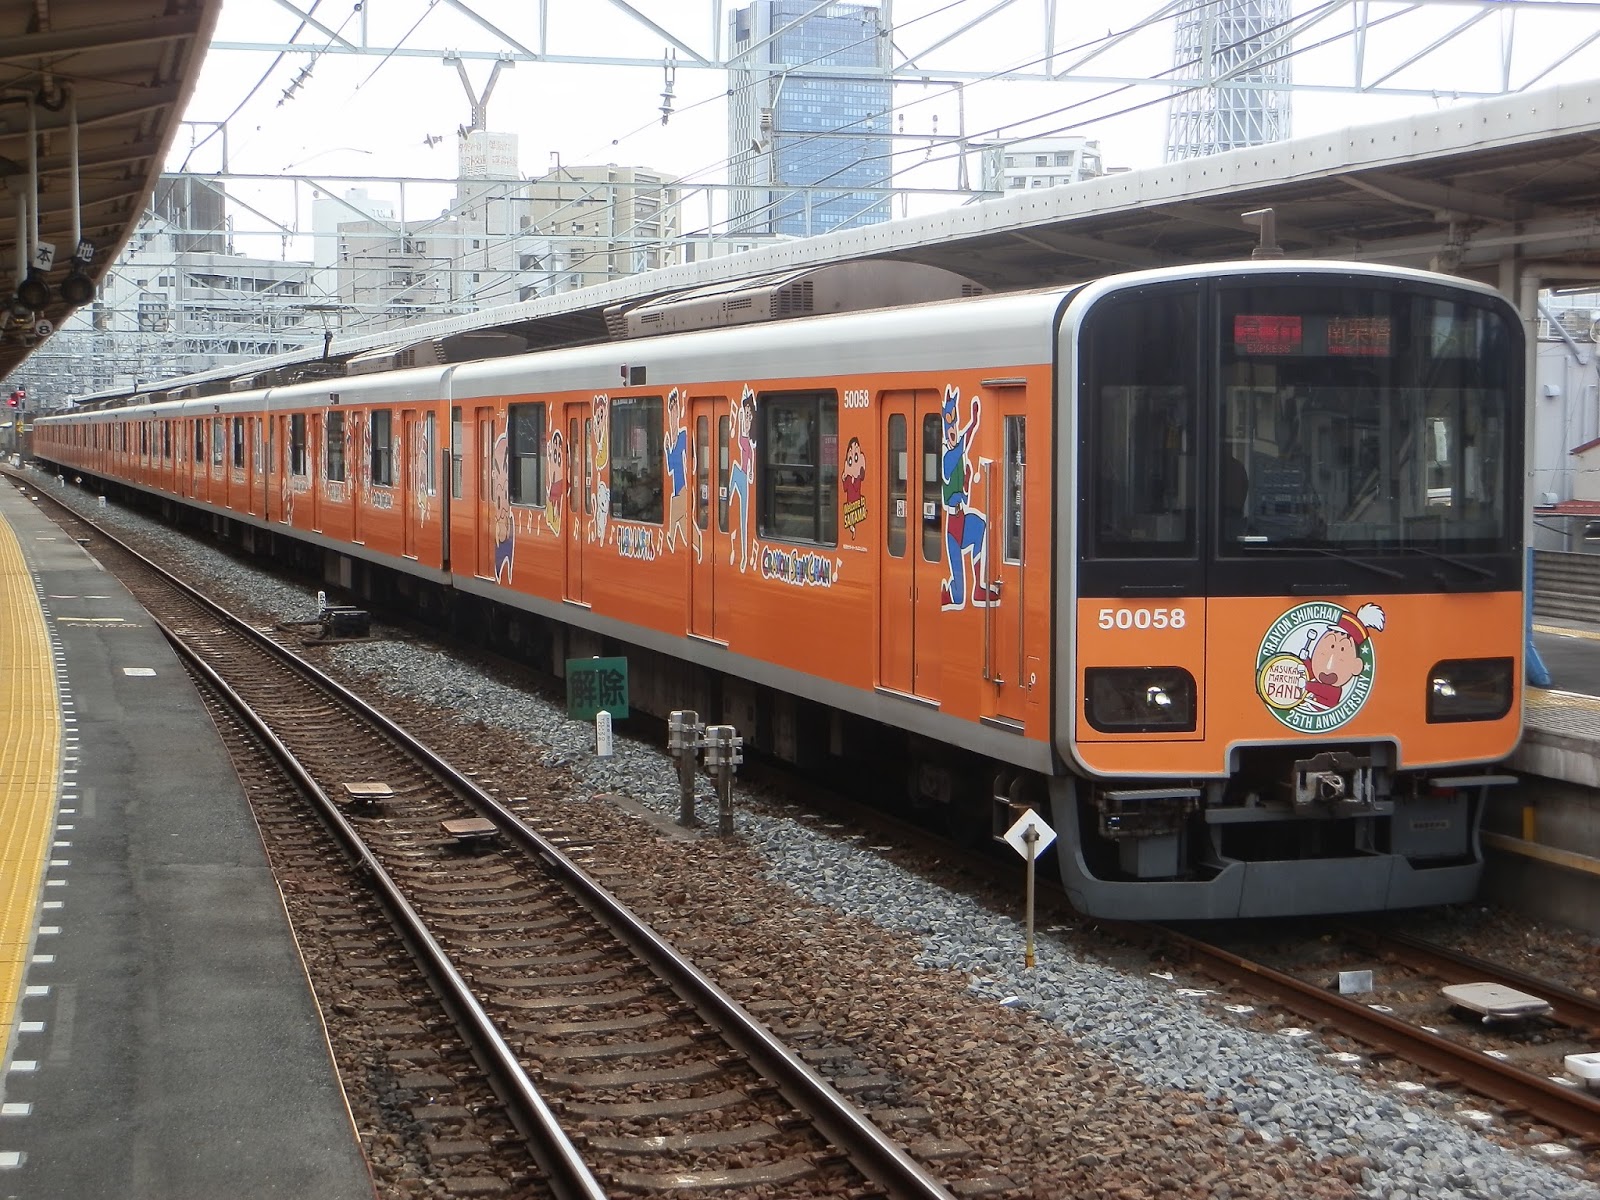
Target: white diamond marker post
[[1030, 837]]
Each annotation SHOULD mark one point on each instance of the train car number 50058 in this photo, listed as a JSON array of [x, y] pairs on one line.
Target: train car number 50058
[[1142, 618]]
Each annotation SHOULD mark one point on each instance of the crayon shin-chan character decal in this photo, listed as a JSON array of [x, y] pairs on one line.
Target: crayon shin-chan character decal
[[600, 456], [1317, 665], [500, 508], [851, 481], [555, 473]]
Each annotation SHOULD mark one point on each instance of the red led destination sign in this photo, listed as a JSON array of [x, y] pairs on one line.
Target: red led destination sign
[[1267, 335]]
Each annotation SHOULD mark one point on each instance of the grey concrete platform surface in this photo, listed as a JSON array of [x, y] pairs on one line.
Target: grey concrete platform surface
[[169, 1047]]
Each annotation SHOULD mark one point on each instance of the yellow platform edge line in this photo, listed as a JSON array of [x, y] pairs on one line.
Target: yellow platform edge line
[[30, 762]]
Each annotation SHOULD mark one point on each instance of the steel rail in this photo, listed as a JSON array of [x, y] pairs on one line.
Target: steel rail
[[877, 1156], [1567, 1006], [1568, 1109], [566, 1173]]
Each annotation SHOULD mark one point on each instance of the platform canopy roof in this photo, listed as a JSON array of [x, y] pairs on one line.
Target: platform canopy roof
[[124, 69]]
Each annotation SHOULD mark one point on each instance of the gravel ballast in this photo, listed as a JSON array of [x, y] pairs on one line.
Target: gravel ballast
[[1250, 1112]]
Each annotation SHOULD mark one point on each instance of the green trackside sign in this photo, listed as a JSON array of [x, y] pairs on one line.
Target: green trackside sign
[[595, 685]]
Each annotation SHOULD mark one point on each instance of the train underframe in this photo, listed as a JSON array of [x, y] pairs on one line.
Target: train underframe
[[1293, 831]]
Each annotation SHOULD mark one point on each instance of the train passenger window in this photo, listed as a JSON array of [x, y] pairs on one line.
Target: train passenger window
[[1016, 460], [798, 477], [297, 444], [899, 460], [455, 452], [1138, 461], [238, 441], [724, 467], [333, 445], [430, 439], [525, 453], [216, 441], [932, 487], [381, 450], [702, 472], [637, 461]]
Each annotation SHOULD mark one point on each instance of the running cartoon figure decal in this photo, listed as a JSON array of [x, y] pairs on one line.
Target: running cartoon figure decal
[[679, 527], [966, 531], [742, 470], [1317, 665]]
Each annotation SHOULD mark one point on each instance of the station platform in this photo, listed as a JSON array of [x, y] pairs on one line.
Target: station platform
[[159, 1036], [1541, 839]]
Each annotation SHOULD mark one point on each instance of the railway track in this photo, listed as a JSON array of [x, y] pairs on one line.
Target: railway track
[[622, 1067], [1518, 1077]]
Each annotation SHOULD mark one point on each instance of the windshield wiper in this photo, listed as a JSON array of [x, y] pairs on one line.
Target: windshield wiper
[[1285, 548], [1451, 559]]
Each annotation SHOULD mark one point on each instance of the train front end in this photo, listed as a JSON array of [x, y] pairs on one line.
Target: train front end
[[1291, 646]]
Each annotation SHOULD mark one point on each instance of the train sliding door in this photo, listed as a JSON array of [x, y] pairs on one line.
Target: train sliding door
[[912, 564], [1003, 491]]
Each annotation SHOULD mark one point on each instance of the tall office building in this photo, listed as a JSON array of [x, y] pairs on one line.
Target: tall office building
[[808, 118], [1235, 55]]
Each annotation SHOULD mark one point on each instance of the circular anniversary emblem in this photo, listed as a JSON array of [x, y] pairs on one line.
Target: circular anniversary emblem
[[1316, 665]]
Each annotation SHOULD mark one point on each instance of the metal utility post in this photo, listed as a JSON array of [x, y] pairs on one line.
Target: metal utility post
[[685, 736], [724, 752]]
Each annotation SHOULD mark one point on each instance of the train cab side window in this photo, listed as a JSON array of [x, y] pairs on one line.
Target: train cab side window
[[1016, 462], [333, 445], [896, 508], [297, 445], [798, 475], [1138, 466], [455, 452], [238, 441], [525, 453], [637, 460], [382, 450]]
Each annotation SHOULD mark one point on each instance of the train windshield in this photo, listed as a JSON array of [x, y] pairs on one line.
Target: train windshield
[[1358, 418]]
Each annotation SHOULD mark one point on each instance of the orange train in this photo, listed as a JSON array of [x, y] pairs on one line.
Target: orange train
[[1220, 566]]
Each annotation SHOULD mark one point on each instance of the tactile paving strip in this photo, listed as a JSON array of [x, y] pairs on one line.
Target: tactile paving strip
[[30, 764]]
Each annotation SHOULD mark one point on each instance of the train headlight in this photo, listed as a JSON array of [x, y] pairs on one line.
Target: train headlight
[[1139, 699], [1470, 689]]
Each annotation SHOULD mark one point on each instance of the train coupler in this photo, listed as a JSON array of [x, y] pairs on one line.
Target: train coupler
[[1335, 778]]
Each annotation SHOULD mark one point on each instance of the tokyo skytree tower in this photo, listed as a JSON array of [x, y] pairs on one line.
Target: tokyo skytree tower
[[1235, 53]]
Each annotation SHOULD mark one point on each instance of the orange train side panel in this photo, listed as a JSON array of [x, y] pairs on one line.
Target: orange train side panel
[[809, 607], [1304, 671]]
